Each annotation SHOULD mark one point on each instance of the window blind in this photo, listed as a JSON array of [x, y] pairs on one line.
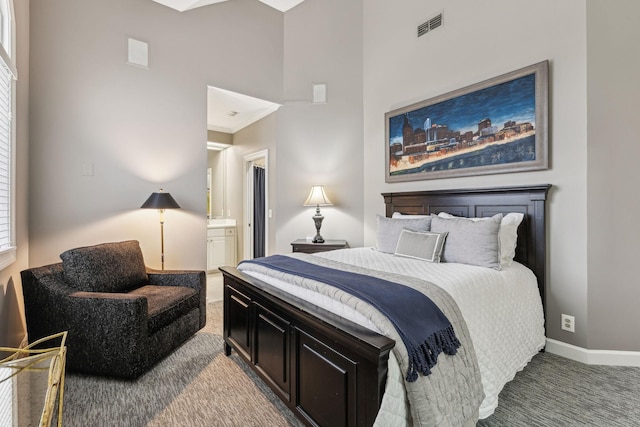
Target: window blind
[[7, 75], [6, 397], [6, 80]]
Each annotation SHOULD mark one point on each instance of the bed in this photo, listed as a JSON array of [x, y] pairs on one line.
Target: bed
[[332, 369]]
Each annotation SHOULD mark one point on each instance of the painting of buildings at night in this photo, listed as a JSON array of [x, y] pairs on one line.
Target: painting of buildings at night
[[489, 130]]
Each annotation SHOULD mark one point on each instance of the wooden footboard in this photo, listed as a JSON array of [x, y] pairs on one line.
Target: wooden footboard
[[328, 371]]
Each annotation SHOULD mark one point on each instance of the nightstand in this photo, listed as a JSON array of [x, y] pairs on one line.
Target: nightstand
[[308, 247]]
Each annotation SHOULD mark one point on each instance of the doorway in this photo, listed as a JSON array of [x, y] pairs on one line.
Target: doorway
[[256, 241], [228, 114]]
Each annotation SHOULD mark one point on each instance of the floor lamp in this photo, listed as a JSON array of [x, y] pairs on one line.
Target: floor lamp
[[161, 201]]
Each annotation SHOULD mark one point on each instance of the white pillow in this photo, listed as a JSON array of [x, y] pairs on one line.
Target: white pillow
[[408, 216], [426, 246], [509, 237], [389, 230], [508, 234]]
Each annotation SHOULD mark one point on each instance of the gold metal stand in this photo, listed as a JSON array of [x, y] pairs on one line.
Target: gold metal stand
[[161, 236], [32, 359]]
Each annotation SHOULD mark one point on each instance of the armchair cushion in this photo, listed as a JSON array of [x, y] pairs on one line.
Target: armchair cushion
[[108, 267], [167, 303]]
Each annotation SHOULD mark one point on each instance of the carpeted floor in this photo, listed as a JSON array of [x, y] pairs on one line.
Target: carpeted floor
[[198, 385], [554, 391]]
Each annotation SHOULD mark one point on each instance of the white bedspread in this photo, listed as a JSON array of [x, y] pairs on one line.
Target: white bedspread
[[502, 310]]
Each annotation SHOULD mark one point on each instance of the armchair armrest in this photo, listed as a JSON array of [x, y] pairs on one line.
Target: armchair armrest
[[110, 332], [195, 279]]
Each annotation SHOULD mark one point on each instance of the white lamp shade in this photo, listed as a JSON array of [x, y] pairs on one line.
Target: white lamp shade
[[317, 197]]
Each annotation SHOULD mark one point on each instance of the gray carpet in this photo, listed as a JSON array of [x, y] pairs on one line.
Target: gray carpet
[[198, 385], [554, 391]]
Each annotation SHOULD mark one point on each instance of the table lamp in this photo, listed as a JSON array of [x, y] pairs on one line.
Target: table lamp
[[317, 198]]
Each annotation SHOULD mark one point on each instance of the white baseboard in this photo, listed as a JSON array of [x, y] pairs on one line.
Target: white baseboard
[[593, 357]]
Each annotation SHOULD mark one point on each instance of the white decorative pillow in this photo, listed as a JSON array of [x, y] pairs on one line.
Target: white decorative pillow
[[427, 246], [470, 242], [508, 236], [408, 216], [389, 230]]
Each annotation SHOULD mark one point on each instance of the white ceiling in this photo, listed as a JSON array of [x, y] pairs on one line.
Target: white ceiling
[[222, 104], [182, 5]]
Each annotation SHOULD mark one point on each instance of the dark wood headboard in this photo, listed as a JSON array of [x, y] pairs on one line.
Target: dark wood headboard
[[529, 200]]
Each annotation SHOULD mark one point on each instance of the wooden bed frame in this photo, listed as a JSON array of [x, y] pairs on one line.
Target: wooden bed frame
[[332, 372]]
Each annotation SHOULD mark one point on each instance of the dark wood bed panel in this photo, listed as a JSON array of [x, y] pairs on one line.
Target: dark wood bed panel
[[327, 370], [332, 372]]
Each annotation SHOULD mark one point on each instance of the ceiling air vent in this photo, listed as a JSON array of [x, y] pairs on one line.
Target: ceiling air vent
[[430, 25]]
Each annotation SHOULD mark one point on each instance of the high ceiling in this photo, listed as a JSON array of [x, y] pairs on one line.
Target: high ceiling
[[230, 111], [182, 5]]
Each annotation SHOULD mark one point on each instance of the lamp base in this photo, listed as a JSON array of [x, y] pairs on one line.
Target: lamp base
[[317, 219]]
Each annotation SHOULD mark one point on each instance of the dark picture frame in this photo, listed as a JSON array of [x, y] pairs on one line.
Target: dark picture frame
[[499, 125]]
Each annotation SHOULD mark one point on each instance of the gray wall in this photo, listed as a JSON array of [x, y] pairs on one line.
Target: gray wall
[[593, 230], [220, 137], [480, 40], [145, 128], [256, 137], [140, 129], [613, 151], [321, 144]]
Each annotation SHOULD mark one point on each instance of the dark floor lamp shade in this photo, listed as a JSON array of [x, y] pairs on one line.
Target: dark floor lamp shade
[[161, 201]]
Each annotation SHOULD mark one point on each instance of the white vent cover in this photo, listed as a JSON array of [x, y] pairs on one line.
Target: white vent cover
[[430, 24]]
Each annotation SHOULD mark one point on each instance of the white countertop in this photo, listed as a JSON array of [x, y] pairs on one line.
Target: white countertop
[[221, 223]]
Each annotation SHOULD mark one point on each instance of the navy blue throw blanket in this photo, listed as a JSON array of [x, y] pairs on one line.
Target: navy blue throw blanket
[[424, 329]]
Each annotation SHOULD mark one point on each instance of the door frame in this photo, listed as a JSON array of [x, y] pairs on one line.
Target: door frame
[[249, 160]]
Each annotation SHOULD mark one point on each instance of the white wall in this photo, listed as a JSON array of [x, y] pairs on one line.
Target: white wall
[[140, 129], [480, 40], [216, 160], [321, 144], [613, 153], [12, 328]]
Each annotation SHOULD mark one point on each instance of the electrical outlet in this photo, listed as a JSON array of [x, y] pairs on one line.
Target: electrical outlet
[[568, 323]]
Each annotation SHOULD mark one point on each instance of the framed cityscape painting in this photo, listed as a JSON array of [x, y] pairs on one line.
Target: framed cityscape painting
[[496, 126]]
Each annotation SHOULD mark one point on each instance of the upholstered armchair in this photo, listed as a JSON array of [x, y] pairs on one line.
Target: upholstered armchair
[[122, 318]]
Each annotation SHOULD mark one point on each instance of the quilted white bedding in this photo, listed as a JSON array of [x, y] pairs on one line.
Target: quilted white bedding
[[502, 309]]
